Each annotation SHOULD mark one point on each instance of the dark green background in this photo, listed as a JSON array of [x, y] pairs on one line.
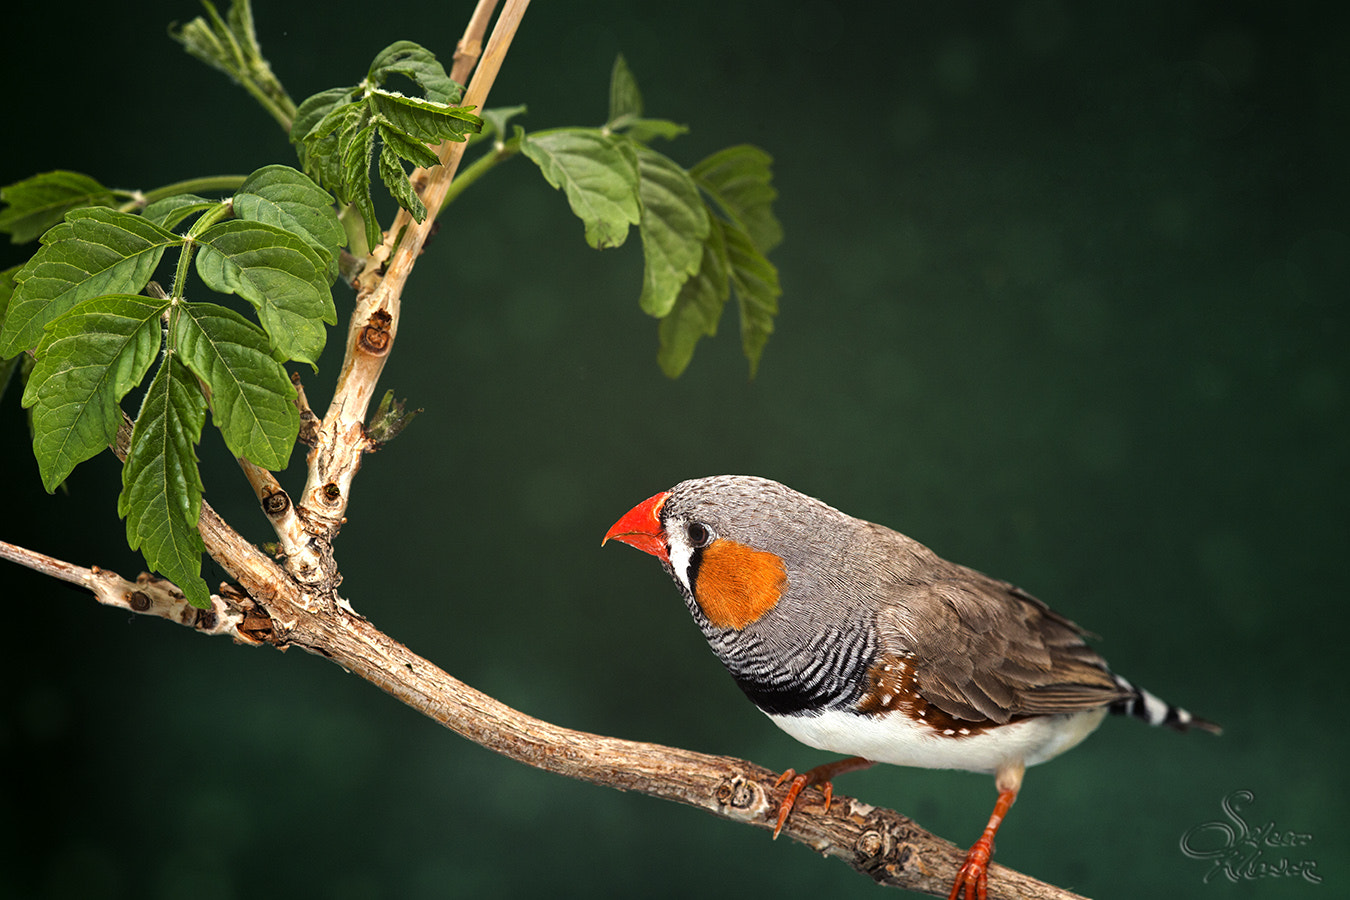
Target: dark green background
[[1064, 298]]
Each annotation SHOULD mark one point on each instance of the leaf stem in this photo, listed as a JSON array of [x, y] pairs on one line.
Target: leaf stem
[[208, 183], [205, 221]]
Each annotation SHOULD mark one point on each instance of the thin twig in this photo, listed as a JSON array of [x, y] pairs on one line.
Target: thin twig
[[470, 47]]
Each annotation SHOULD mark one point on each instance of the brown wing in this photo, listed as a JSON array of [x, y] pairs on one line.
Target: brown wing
[[987, 650]]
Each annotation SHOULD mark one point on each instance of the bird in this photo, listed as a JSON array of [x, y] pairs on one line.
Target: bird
[[856, 639]]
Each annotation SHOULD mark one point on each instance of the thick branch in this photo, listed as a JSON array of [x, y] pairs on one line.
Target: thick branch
[[884, 845]]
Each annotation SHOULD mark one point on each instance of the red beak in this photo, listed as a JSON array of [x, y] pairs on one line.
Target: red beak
[[640, 527]]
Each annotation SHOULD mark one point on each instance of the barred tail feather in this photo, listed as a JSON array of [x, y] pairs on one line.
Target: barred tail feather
[[1143, 705]]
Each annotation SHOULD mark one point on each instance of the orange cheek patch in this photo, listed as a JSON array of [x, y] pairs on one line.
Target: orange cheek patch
[[738, 584]]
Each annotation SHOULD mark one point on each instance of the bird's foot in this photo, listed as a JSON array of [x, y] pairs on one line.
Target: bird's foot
[[820, 776], [973, 876]]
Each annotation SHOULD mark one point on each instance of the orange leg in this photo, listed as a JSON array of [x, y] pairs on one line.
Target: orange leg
[[820, 775], [973, 876]]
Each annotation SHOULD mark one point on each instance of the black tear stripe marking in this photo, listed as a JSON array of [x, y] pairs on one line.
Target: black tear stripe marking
[[695, 563]]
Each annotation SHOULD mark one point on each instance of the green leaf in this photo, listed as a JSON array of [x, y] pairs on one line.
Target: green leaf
[[252, 399], [36, 204], [289, 200], [740, 180], [7, 287], [697, 307], [397, 144], [161, 495], [314, 110], [214, 42], [599, 174], [358, 151], [395, 178], [336, 130], [231, 45], [674, 225], [88, 359], [424, 120], [170, 212], [418, 64], [406, 126], [644, 130], [757, 291], [625, 100], [95, 251], [7, 366], [496, 119], [277, 272]]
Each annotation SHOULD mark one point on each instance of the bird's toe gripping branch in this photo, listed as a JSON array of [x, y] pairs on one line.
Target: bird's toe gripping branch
[[821, 776]]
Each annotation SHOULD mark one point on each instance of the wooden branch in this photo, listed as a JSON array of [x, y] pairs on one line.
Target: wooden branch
[[884, 845], [470, 47]]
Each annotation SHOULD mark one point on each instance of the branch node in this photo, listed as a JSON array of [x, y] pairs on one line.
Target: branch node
[[743, 798], [276, 503], [375, 337]]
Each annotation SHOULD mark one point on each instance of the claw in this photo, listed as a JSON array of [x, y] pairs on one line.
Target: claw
[[819, 776], [798, 784], [973, 876]]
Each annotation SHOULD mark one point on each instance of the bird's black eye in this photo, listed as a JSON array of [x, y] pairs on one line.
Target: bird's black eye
[[700, 535]]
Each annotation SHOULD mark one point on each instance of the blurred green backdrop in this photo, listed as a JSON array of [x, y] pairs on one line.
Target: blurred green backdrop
[[1064, 298]]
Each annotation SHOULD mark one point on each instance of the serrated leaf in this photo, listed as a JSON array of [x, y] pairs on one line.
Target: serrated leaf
[[289, 200], [740, 180], [231, 45], [697, 307], [277, 272], [625, 100], [353, 168], [358, 151], [418, 64], [7, 366], [214, 46], [252, 399], [497, 119], [313, 111], [756, 283], [422, 120], [674, 225], [36, 204], [599, 174], [88, 359], [342, 120], [336, 130], [94, 251], [161, 488], [398, 144], [7, 286], [170, 212], [395, 178]]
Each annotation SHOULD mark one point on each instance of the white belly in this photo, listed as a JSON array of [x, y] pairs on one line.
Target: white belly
[[900, 741]]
